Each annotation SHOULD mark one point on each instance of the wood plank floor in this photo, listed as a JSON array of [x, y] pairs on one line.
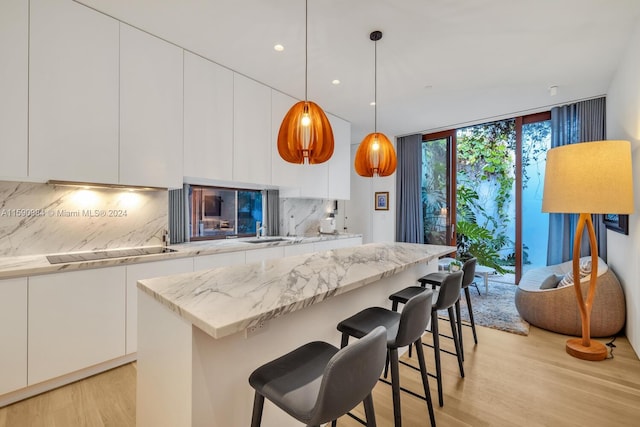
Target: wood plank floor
[[511, 380]]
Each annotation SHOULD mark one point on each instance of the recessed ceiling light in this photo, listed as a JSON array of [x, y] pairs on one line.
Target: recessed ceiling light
[[372, 103], [278, 48], [335, 81]]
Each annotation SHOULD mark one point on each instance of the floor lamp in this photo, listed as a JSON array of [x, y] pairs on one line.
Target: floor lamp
[[588, 178]]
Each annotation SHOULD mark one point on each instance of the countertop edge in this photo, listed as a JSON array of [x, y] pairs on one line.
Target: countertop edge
[[35, 265], [240, 325]]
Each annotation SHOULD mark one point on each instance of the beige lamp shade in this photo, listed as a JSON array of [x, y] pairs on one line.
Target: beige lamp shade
[[589, 177]]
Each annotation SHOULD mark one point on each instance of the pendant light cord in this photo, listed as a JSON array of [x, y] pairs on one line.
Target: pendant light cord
[[306, 44], [375, 36], [375, 86]]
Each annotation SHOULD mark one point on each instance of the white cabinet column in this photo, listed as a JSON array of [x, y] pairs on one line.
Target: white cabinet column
[[149, 270], [14, 48], [76, 320], [73, 93], [13, 334], [151, 110], [252, 131], [208, 119]]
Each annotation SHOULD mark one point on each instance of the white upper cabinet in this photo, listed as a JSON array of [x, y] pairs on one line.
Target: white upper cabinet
[[14, 48], [340, 163], [208, 119], [73, 93], [252, 131], [151, 110], [295, 180], [283, 174]]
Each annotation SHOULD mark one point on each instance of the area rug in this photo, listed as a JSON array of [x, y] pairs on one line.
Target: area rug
[[496, 310]]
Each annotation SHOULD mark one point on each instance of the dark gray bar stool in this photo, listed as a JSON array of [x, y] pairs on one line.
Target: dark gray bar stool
[[468, 277], [403, 329], [317, 382], [445, 299]]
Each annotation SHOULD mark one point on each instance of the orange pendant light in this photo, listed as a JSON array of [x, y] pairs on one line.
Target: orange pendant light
[[305, 134], [375, 155]]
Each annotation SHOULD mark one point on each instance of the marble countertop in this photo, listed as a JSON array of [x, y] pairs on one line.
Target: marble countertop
[[30, 265], [227, 300]]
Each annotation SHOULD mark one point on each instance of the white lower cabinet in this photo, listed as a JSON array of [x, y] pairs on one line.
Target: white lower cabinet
[[204, 262], [298, 249], [264, 254], [13, 334], [149, 270], [337, 243], [76, 320]]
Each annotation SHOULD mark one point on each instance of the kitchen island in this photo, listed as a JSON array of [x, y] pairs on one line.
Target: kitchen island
[[201, 334]]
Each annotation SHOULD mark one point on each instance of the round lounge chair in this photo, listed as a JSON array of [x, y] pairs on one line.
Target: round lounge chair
[[556, 309]]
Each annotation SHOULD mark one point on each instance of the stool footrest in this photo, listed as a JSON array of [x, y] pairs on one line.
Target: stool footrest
[[358, 419], [413, 393]]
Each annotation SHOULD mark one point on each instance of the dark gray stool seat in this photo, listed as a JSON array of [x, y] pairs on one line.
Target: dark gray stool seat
[[468, 278], [444, 299], [317, 382], [403, 329]]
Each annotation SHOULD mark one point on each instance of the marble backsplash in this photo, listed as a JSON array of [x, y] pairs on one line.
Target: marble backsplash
[[41, 218], [307, 215]]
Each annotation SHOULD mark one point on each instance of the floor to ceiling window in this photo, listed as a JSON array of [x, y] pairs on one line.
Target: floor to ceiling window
[[435, 200], [482, 191]]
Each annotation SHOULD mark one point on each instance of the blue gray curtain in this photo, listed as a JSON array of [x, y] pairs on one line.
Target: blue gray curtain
[[178, 214], [409, 221], [272, 220], [580, 122]]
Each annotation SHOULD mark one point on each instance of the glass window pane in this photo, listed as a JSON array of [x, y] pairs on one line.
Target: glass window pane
[[536, 141]]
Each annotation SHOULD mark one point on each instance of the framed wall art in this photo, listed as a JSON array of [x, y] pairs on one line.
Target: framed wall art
[[617, 223], [382, 201]]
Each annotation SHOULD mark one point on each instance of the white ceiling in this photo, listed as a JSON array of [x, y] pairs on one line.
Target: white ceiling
[[441, 63]]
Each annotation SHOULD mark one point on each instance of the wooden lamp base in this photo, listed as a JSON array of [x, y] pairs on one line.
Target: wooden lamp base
[[596, 351]]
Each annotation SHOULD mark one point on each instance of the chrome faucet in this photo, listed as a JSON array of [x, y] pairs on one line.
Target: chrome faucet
[[259, 229]]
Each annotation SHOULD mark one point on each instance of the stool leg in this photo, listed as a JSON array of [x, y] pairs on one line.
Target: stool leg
[[459, 326], [344, 341], [436, 352], [467, 295], [425, 380], [386, 366], [456, 340], [258, 404], [368, 411], [395, 386]]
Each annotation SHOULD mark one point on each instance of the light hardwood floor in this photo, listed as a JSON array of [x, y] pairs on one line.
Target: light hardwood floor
[[510, 380]]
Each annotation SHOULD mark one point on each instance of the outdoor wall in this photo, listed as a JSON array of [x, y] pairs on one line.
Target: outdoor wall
[[623, 122]]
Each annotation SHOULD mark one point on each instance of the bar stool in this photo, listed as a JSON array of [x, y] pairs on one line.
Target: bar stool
[[403, 329], [446, 298], [317, 383], [469, 272]]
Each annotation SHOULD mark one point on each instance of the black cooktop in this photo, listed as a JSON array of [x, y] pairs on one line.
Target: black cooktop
[[115, 253]]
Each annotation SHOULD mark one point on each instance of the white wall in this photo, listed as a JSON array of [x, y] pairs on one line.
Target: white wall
[[361, 217], [623, 122]]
